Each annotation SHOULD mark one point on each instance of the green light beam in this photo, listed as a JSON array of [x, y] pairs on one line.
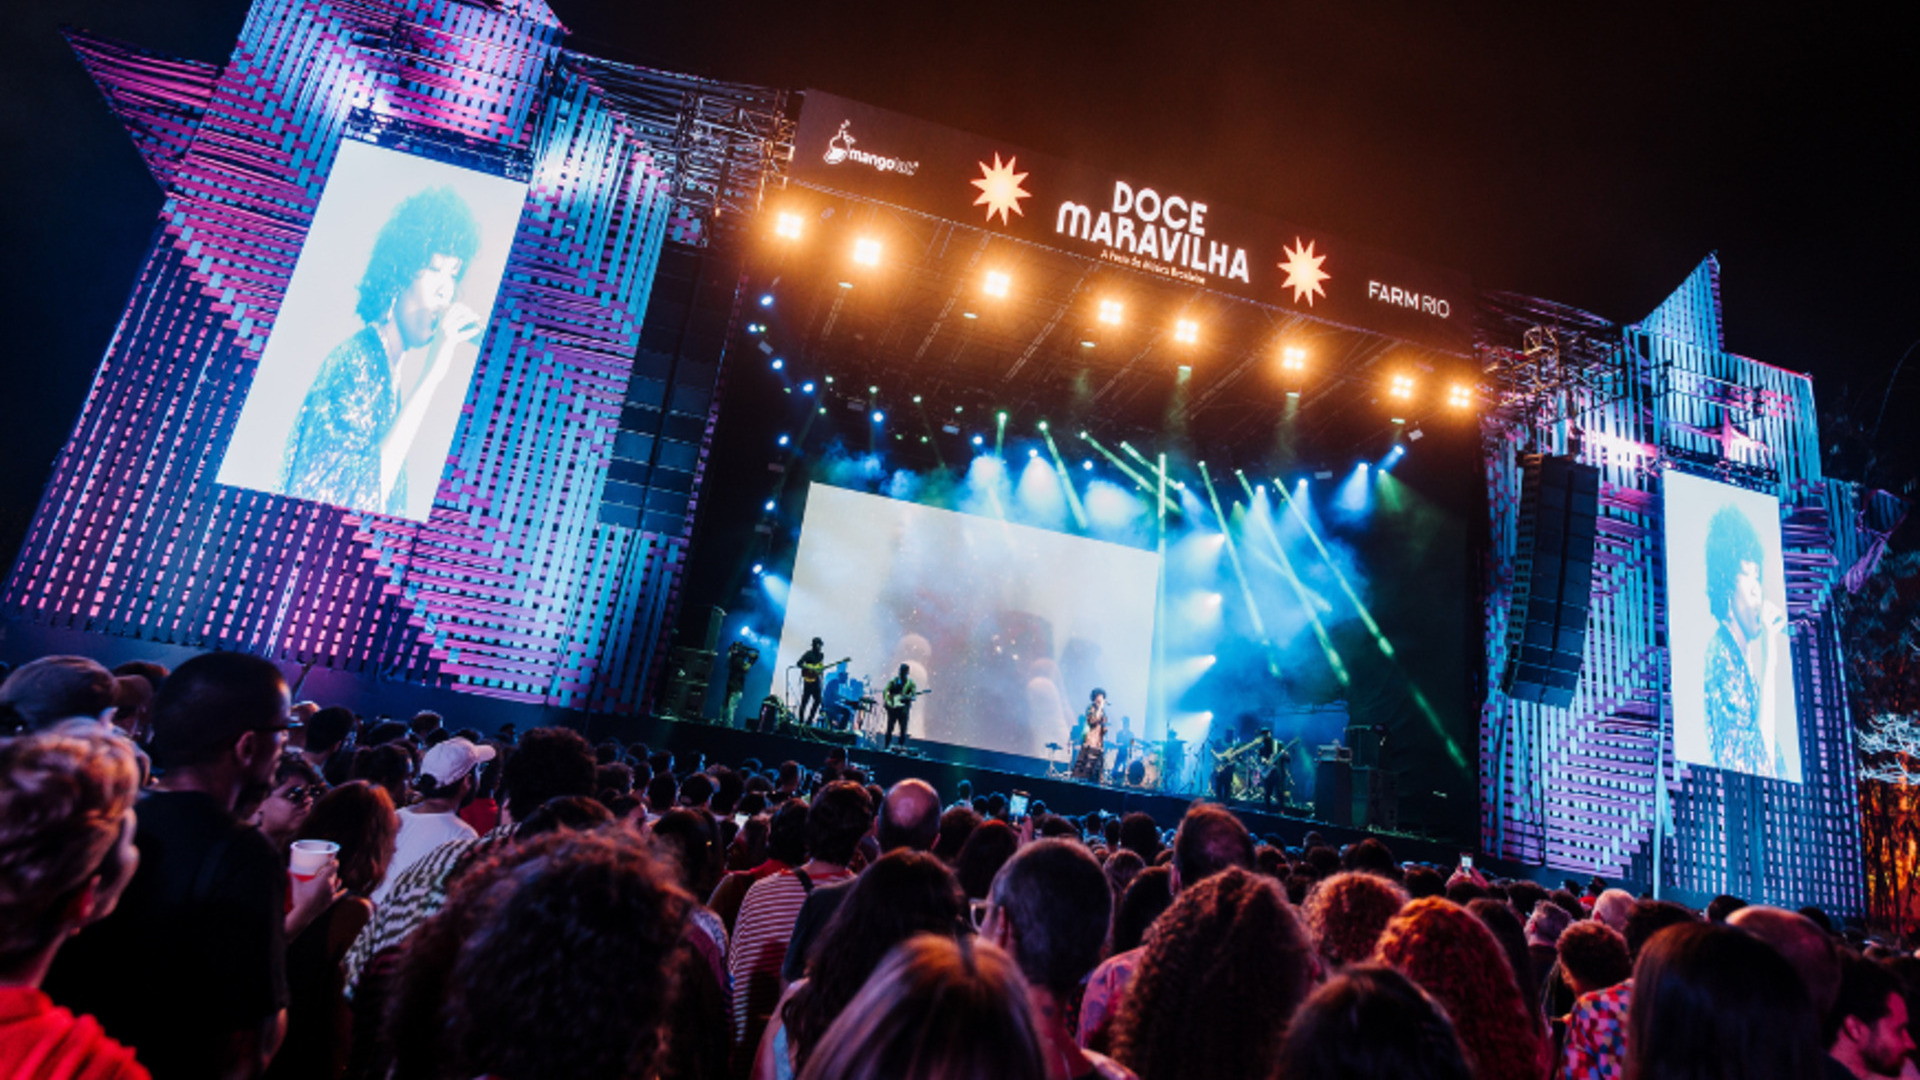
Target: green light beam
[[1300, 592]]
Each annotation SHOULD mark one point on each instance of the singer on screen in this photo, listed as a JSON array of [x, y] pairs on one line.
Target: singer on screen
[[350, 441], [1744, 652]]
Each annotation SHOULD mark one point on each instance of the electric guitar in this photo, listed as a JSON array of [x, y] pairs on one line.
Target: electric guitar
[[894, 701], [812, 672]]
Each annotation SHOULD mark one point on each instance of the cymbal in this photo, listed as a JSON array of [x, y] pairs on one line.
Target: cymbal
[[1053, 746]]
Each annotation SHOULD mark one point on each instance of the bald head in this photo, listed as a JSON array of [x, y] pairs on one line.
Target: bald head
[[1804, 945], [1612, 907], [910, 816]]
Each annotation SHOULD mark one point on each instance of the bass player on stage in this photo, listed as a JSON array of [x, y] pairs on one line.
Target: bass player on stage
[[1091, 758], [898, 698]]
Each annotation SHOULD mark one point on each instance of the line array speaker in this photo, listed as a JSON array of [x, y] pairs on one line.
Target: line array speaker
[[1552, 579]]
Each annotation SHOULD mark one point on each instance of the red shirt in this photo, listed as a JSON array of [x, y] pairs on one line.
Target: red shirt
[[482, 814], [41, 1042]]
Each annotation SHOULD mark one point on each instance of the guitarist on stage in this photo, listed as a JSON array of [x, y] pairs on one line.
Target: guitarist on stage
[[898, 698], [813, 665]]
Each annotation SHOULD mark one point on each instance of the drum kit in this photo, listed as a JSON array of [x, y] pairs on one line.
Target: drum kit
[[1142, 766]]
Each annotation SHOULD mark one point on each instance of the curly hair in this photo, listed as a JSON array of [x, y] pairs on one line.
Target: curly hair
[[1453, 956], [903, 894], [549, 762], [63, 802], [1731, 540], [1223, 971], [1347, 912], [433, 222], [938, 1008], [359, 817], [556, 957], [1594, 956], [1371, 1021]]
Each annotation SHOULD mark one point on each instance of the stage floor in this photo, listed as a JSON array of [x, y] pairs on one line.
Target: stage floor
[[945, 766]]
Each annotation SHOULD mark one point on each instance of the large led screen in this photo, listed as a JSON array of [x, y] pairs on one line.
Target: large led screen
[[1010, 627], [1733, 704], [360, 387]]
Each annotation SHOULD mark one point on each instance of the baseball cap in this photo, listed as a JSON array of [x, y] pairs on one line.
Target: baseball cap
[[449, 762]]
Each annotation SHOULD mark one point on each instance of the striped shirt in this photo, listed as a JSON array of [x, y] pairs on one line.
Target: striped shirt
[[417, 895], [759, 946]]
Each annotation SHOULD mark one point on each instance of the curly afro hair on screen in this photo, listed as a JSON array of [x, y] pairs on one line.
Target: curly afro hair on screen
[[427, 223]]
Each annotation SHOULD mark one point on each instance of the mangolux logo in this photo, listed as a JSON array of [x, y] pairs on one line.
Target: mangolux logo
[[840, 149]]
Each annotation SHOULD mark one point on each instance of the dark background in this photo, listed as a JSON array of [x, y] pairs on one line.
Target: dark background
[[1592, 157]]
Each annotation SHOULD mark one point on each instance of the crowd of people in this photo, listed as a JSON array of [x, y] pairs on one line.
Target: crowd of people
[[200, 878]]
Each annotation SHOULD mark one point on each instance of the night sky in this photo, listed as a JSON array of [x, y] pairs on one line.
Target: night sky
[[1589, 158]]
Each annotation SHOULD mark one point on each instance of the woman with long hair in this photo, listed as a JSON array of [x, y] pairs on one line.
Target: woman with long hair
[[1714, 1003], [1370, 1023], [903, 894], [937, 1008], [1224, 969], [1453, 956]]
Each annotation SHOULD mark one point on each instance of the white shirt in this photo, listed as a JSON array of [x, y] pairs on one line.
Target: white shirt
[[419, 834]]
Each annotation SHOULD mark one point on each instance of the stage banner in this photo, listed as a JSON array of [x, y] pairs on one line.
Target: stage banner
[[854, 149]]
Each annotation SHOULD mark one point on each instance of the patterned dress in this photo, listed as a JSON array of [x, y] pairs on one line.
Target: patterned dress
[[1733, 709], [333, 453], [1597, 1035]]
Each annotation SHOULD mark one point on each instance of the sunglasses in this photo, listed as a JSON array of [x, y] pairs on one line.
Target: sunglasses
[[303, 793]]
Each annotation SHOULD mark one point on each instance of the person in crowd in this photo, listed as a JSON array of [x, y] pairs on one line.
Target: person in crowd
[[691, 837], [1544, 928], [553, 958], [1612, 907], [1454, 957], [1346, 913], [1712, 1001], [43, 692], [1188, 1010], [482, 811], [1809, 949], [1046, 910], [749, 847], [786, 849], [937, 1008], [548, 763], [154, 672], [909, 821], [388, 765], [1140, 835], [66, 854], [956, 825], [1369, 1022], [987, 849], [328, 733], [190, 967], [1150, 894], [1593, 957], [296, 784], [905, 893], [446, 780], [360, 818], [1867, 1030], [1505, 926], [1210, 841], [1722, 906], [1121, 868], [840, 815], [1597, 1022]]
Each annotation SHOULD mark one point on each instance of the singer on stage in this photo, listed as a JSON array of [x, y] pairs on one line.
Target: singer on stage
[[1091, 758]]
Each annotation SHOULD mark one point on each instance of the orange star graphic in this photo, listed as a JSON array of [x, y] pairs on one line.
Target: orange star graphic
[[1000, 189], [1303, 271]]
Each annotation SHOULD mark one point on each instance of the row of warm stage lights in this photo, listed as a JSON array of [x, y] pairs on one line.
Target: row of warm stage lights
[[997, 284]]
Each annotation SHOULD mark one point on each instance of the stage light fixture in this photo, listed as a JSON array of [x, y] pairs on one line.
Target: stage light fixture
[[1043, 425], [968, 315], [866, 251], [757, 569], [1460, 397], [873, 389], [1401, 387], [1086, 344], [1110, 312], [878, 416], [1293, 358], [1087, 465], [766, 299], [916, 399], [1416, 435], [959, 408], [769, 506], [997, 284], [778, 363], [1293, 393], [1033, 451], [1001, 416], [846, 284], [829, 380], [979, 440], [787, 226], [806, 388], [785, 439], [1186, 331]]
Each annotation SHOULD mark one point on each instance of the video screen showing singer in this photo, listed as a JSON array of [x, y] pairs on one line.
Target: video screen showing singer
[[1744, 652], [350, 441]]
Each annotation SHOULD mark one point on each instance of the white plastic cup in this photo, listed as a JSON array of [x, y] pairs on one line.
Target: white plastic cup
[[308, 856]]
